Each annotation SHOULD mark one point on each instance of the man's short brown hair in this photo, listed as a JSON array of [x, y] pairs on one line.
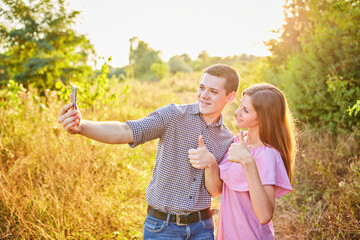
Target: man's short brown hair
[[227, 72]]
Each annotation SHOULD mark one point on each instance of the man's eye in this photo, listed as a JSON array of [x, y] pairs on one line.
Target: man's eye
[[215, 92]]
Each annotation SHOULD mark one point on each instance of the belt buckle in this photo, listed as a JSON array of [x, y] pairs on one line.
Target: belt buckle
[[178, 219]]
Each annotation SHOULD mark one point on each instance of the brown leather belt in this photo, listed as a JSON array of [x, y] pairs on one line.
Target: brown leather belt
[[181, 219]]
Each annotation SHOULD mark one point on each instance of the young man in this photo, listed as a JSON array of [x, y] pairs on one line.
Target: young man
[[178, 202]]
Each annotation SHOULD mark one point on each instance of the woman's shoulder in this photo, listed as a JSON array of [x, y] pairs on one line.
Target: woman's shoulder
[[270, 151], [266, 156], [265, 149]]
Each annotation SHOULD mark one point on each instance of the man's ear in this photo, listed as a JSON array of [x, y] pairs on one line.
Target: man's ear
[[231, 97]]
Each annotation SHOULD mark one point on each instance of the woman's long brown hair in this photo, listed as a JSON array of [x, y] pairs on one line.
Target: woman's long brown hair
[[276, 123]]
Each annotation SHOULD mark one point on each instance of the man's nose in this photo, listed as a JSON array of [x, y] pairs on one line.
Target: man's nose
[[204, 94]]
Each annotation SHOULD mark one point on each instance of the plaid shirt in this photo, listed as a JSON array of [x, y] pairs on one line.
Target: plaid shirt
[[176, 186]]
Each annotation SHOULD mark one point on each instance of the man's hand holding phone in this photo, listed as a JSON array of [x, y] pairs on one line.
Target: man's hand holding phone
[[74, 95], [70, 116]]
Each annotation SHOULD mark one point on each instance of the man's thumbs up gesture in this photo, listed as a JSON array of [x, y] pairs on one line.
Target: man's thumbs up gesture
[[238, 152], [201, 158]]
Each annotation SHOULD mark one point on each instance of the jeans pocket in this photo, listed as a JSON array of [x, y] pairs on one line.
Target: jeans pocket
[[154, 225], [208, 223]]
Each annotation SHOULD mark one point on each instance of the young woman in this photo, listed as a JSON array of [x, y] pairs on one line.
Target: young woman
[[258, 166]]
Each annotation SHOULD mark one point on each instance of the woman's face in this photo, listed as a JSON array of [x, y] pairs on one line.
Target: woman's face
[[246, 116]]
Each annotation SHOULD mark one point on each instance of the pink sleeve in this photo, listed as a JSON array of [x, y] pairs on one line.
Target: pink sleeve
[[272, 171]]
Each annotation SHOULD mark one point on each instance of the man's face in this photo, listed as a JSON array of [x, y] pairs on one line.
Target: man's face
[[212, 96]]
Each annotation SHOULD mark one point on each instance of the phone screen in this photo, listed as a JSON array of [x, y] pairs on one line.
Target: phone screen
[[74, 93]]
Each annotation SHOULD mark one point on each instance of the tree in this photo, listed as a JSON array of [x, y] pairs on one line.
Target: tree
[[39, 46], [187, 59], [202, 61], [158, 71], [179, 64], [295, 21], [317, 60], [141, 58]]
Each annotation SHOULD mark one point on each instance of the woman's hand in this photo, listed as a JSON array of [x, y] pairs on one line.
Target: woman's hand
[[238, 152]]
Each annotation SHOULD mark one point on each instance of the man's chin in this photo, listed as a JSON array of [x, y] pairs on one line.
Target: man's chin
[[203, 110]]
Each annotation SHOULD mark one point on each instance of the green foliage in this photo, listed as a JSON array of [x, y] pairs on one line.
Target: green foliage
[[91, 93], [354, 109], [316, 61], [179, 64], [118, 73], [14, 98], [204, 60], [13, 89], [187, 59], [39, 46], [141, 58], [159, 71]]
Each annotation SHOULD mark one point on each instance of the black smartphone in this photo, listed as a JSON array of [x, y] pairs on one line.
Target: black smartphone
[[74, 93]]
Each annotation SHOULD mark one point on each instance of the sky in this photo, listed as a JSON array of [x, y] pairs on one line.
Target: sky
[[220, 27]]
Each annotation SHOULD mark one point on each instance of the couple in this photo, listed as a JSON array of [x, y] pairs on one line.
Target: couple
[[198, 158]]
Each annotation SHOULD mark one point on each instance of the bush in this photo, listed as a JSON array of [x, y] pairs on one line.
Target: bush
[[319, 70]]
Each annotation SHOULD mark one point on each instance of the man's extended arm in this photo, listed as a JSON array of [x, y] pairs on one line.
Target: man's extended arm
[[111, 132]]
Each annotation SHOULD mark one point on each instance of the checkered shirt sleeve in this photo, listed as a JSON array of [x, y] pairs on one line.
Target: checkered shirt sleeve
[[152, 126]]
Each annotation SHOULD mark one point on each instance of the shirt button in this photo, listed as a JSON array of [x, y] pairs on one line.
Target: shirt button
[[190, 197], [194, 179]]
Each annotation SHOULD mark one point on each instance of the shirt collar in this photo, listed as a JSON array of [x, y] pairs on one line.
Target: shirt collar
[[195, 110]]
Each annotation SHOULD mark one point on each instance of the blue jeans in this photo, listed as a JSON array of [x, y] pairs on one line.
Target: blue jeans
[[159, 229]]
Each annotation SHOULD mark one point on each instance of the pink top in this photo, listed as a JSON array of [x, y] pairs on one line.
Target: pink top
[[237, 219]]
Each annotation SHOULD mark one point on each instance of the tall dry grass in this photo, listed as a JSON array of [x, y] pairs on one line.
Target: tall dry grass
[[326, 204], [54, 185]]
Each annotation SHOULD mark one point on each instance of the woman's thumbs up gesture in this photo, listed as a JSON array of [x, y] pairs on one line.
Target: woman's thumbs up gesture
[[238, 152]]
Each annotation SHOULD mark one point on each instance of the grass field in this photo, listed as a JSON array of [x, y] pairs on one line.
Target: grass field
[[54, 185]]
